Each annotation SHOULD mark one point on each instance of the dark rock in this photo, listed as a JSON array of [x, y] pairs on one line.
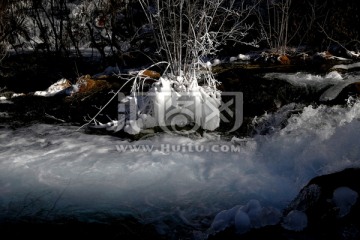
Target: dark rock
[[316, 200], [261, 95]]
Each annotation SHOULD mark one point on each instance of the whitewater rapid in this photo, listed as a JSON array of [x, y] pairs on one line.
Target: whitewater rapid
[[51, 171]]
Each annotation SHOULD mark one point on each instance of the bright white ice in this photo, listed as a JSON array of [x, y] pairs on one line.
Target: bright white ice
[[336, 80], [53, 170]]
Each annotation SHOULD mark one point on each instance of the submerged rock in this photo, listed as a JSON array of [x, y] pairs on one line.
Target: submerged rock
[[331, 203]]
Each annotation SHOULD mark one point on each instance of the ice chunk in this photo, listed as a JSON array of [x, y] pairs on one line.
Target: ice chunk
[[243, 57], [347, 67], [148, 121], [295, 221], [334, 75], [254, 211], [335, 90], [233, 59], [242, 222], [244, 218], [132, 127], [261, 216], [17, 95], [216, 62], [270, 216], [344, 198], [224, 219]]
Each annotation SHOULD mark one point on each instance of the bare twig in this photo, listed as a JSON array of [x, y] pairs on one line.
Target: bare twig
[[54, 118]]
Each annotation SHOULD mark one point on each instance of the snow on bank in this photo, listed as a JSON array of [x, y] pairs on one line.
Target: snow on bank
[[53, 168]]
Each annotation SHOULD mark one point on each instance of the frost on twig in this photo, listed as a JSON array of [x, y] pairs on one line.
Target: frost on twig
[[187, 33]]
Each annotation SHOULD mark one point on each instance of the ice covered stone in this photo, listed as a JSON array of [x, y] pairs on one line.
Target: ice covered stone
[[295, 221], [344, 198]]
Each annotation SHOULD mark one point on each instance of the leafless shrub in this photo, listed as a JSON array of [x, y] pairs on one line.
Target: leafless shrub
[[274, 23], [3, 5], [188, 32]]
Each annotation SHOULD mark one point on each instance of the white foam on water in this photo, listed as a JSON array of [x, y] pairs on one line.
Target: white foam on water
[[54, 169], [304, 79]]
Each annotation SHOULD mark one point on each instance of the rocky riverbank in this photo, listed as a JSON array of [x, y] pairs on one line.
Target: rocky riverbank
[[77, 99]]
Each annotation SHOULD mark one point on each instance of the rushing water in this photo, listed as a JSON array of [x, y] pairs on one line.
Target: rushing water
[[51, 171]]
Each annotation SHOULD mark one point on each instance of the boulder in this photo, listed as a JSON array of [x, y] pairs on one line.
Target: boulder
[[331, 204], [328, 207], [284, 60]]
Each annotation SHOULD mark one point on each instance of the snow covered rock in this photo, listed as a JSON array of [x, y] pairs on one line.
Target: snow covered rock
[[55, 88]]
